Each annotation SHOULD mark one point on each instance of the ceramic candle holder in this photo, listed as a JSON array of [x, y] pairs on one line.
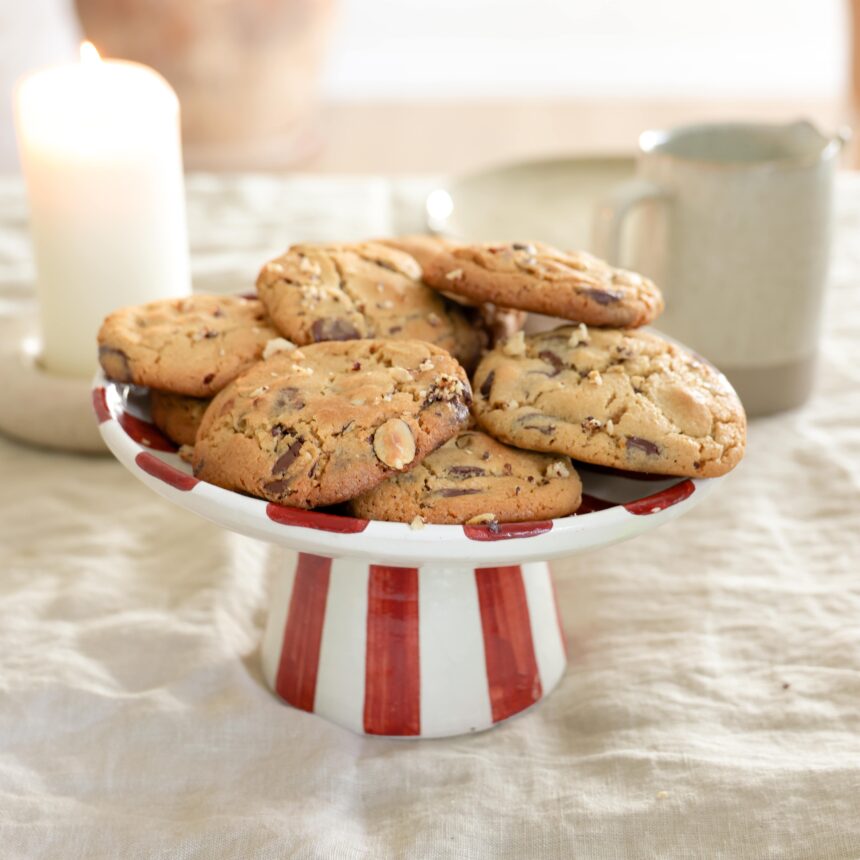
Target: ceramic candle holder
[[392, 631]]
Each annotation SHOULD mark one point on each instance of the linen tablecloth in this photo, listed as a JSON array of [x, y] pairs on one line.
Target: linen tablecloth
[[711, 707]]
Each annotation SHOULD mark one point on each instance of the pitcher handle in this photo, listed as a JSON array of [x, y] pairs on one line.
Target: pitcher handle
[[611, 212]]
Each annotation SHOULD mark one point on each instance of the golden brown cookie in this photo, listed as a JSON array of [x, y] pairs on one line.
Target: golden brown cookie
[[192, 346], [499, 322], [626, 399], [324, 423], [536, 277], [474, 478], [318, 293], [177, 415]]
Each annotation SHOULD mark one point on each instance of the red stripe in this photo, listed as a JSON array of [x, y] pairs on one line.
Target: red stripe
[[300, 655], [165, 472], [512, 671], [657, 502], [392, 695], [506, 531], [319, 520], [100, 405], [145, 433]]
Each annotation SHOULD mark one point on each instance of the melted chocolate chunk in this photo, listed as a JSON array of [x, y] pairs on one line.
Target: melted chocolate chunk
[[548, 430], [550, 357], [603, 297], [334, 329], [208, 378], [449, 492], [287, 398], [643, 445], [278, 487], [487, 384], [288, 457], [465, 471], [395, 329]]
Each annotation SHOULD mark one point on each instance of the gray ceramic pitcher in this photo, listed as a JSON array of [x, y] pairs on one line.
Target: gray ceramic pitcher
[[734, 222]]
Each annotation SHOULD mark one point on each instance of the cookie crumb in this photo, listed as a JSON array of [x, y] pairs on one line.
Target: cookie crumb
[[417, 524], [427, 364], [515, 345], [482, 519], [186, 453], [662, 795], [276, 345], [454, 274], [594, 377], [557, 469]]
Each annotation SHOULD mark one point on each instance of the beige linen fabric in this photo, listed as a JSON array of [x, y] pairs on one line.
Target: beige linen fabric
[[711, 707]]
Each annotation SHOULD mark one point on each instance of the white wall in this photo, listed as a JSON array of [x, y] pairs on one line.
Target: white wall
[[389, 49]]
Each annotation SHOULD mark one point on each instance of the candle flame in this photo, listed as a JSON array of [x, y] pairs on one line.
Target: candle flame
[[89, 54]]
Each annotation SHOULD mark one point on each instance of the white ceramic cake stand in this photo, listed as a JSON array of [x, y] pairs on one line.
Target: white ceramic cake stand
[[388, 630]]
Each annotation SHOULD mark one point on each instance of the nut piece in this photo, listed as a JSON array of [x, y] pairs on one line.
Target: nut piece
[[579, 337], [394, 444], [454, 274], [515, 345], [276, 345], [557, 469], [482, 519]]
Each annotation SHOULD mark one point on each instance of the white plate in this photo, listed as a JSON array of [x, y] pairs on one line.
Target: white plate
[[630, 505]]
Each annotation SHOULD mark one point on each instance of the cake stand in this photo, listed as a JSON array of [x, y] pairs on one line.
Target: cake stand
[[388, 630]]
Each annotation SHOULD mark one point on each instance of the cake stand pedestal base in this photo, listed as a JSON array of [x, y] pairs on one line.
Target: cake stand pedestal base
[[429, 651]]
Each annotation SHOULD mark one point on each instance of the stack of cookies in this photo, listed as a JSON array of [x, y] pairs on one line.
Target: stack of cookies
[[393, 377]]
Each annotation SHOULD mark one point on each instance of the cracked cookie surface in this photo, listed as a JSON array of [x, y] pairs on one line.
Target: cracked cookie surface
[[193, 345], [318, 293], [533, 276], [626, 399], [177, 415], [475, 478], [323, 423]]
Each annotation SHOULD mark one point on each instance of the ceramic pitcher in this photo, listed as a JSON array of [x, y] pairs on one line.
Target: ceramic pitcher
[[734, 222]]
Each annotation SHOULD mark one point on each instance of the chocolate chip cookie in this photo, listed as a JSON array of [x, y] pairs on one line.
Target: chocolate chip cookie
[[536, 277], [326, 422], [191, 346], [320, 293], [177, 415], [474, 478], [626, 399], [499, 322]]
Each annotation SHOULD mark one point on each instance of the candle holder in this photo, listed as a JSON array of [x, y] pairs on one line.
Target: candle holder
[[39, 407]]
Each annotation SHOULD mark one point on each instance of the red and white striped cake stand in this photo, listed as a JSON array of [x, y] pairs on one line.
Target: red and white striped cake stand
[[387, 630]]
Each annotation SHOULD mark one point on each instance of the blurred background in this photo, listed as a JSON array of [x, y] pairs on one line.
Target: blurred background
[[404, 86]]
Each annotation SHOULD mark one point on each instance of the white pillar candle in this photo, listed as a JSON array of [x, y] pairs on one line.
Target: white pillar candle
[[102, 160]]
